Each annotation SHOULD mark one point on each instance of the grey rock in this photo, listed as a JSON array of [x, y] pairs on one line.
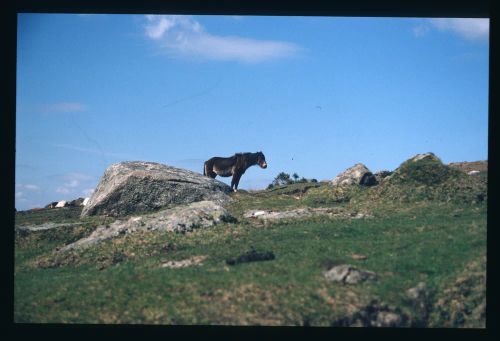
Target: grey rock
[[386, 319], [424, 156], [346, 273], [381, 175], [45, 226], [358, 174], [52, 204], [196, 260], [133, 187], [374, 314], [417, 293], [304, 213], [419, 298], [76, 202], [182, 219]]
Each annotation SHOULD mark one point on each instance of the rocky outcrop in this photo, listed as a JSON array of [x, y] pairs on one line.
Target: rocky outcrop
[[423, 169], [181, 219], [62, 203], [73, 203], [425, 156], [76, 203], [134, 187], [52, 204], [381, 175], [358, 174]]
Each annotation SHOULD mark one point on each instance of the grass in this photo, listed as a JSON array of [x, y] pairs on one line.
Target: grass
[[416, 244], [425, 237]]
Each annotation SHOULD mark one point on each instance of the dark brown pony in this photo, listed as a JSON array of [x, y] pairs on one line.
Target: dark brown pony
[[234, 166]]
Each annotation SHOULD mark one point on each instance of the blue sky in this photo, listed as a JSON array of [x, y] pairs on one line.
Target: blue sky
[[315, 94]]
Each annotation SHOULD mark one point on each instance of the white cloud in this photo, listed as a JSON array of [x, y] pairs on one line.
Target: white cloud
[[158, 27], [64, 107], [468, 28], [19, 195], [74, 182], [183, 36]]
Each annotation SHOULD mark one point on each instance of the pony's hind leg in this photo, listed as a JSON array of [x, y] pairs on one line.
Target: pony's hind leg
[[208, 171]]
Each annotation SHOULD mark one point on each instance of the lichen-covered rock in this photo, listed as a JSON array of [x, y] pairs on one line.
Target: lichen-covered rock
[[134, 187], [299, 213], [196, 260], [182, 219], [425, 156], [358, 174], [346, 273], [381, 175], [418, 296], [374, 314]]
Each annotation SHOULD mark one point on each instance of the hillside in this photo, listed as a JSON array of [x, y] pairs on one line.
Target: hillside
[[412, 247]]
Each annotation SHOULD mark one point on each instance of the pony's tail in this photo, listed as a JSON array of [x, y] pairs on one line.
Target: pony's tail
[[204, 169]]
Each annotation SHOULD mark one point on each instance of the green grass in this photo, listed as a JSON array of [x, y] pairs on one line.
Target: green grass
[[56, 215], [122, 281], [428, 224]]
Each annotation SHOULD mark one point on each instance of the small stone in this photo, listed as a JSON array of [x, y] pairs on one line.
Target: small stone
[[387, 319], [358, 256], [197, 260], [417, 292]]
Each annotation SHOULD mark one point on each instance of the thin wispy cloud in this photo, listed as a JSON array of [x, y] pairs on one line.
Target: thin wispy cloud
[[467, 28], [91, 151], [28, 187], [64, 107], [184, 36], [421, 30], [62, 190]]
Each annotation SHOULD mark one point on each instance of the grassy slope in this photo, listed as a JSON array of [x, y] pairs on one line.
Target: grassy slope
[[121, 281]]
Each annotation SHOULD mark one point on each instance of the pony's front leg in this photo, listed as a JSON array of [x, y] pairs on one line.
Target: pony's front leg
[[235, 181]]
